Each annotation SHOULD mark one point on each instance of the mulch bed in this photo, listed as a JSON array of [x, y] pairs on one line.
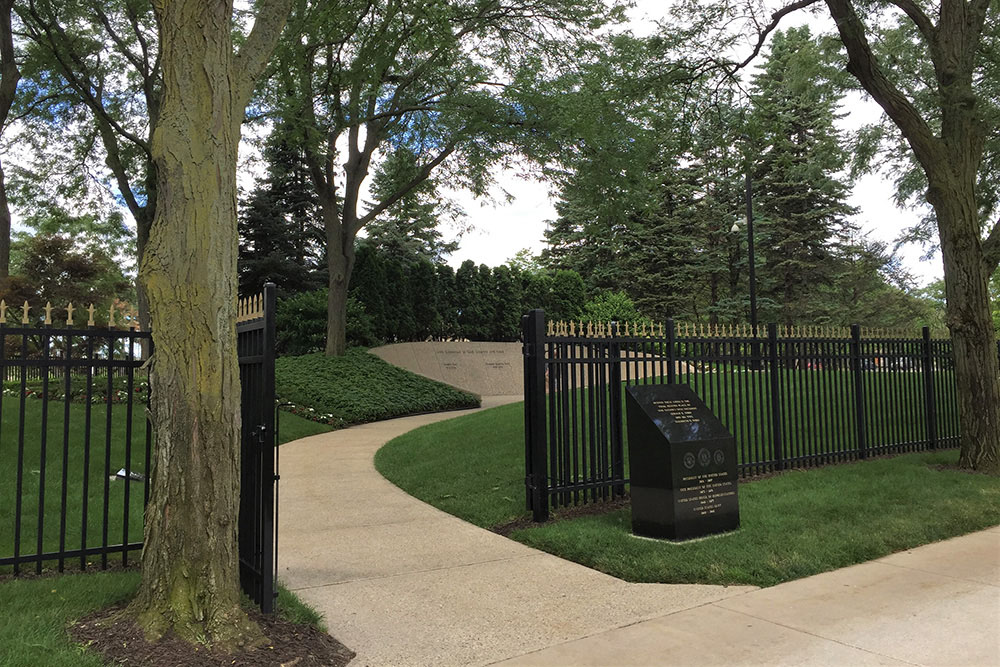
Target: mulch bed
[[121, 642]]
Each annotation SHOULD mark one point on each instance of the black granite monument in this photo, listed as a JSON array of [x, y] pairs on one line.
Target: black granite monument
[[683, 465]]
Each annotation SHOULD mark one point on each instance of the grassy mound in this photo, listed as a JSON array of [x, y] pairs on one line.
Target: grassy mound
[[359, 388], [793, 525]]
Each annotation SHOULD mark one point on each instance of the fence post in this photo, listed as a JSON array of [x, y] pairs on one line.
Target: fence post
[[671, 352], [615, 407], [536, 478], [269, 444], [775, 380], [930, 402], [859, 391]]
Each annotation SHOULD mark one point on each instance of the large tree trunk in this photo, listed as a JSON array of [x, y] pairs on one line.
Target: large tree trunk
[[190, 558], [4, 229], [9, 76], [340, 261], [977, 371]]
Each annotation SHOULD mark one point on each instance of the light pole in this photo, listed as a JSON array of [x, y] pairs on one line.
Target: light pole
[[753, 275], [755, 359]]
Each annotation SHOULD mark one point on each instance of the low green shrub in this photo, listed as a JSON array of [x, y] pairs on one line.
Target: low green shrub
[[359, 388], [56, 389]]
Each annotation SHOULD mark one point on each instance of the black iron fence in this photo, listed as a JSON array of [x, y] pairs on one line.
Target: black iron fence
[[792, 397], [258, 529], [75, 445]]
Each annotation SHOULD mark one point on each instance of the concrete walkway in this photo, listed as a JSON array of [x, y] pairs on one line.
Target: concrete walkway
[[402, 583]]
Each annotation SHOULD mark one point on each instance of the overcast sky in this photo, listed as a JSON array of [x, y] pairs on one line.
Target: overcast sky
[[500, 230]]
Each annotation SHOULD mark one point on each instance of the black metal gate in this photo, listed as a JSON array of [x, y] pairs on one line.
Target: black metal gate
[[259, 467]]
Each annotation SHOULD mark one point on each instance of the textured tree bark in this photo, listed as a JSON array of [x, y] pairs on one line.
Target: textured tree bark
[[190, 581], [4, 229], [977, 371], [340, 262], [9, 76]]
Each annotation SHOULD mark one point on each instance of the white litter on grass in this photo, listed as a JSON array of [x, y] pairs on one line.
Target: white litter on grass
[[134, 476]]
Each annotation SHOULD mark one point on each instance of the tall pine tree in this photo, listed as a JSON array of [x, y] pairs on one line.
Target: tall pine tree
[[408, 230], [800, 200], [281, 234]]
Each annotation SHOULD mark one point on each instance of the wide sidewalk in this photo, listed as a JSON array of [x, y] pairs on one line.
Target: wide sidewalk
[[402, 583]]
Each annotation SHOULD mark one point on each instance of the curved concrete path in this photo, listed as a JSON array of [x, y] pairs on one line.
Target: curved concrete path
[[402, 583]]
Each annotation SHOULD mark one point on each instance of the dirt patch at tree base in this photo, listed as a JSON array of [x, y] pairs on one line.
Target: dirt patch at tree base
[[120, 642]]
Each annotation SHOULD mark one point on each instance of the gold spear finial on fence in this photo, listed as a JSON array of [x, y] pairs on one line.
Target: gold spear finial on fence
[[69, 314], [550, 331], [90, 318], [48, 312], [3, 312], [24, 313]]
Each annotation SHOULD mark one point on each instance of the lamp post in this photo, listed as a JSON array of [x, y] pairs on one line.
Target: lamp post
[[755, 358], [753, 275]]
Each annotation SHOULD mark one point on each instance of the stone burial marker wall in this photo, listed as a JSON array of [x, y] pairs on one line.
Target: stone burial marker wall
[[683, 465], [487, 369]]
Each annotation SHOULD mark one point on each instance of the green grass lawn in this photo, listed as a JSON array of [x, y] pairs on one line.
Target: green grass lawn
[[36, 613], [359, 388], [87, 469], [793, 525]]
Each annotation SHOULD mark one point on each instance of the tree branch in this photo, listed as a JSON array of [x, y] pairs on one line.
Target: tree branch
[[256, 51], [919, 18], [408, 187], [9, 74], [769, 28], [865, 68]]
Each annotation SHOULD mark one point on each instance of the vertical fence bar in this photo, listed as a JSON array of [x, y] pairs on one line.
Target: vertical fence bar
[[67, 357], [85, 493], [269, 444], [617, 439], [671, 352], [129, 381], [930, 402], [536, 475], [43, 455], [775, 377], [107, 452], [18, 502], [860, 418]]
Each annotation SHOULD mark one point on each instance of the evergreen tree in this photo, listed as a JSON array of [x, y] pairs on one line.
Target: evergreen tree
[[281, 235], [567, 296], [371, 289], [408, 230], [507, 308], [447, 302], [423, 290], [800, 201]]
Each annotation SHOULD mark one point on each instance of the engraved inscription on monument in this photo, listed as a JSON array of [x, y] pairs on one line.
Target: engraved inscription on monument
[[683, 465]]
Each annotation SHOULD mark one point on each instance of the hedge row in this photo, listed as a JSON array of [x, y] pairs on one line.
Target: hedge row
[[395, 301]]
